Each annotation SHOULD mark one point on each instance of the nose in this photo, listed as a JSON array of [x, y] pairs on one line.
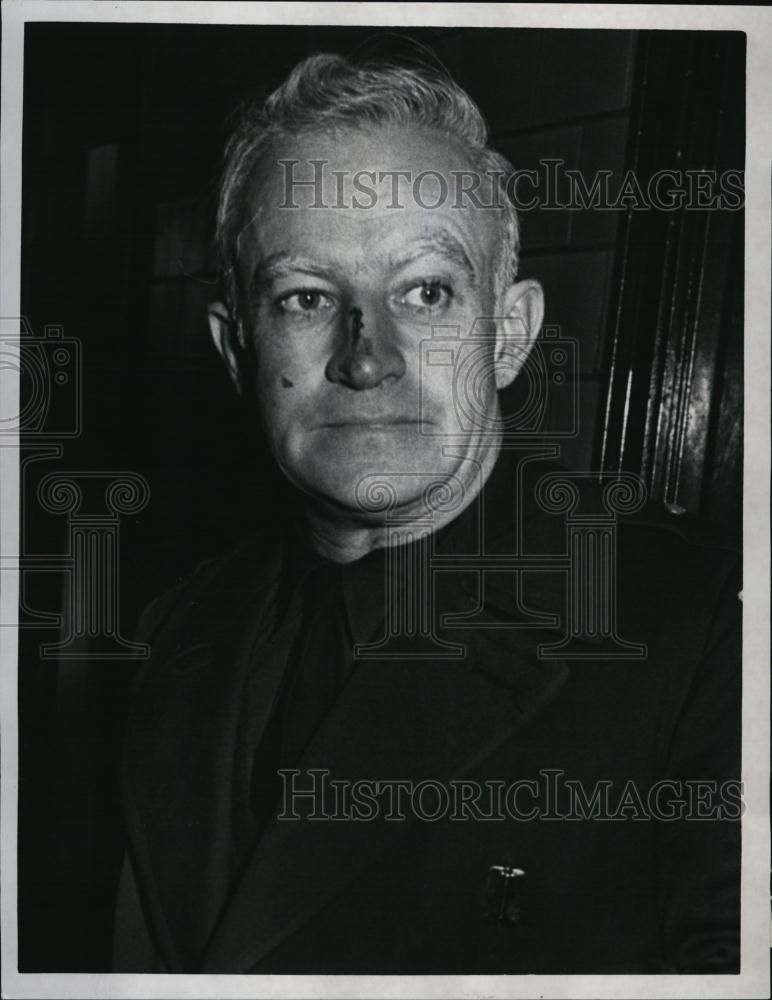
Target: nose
[[361, 361]]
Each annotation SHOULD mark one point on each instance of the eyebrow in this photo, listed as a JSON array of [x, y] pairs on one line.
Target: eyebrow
[[277, 265], [442, 244]]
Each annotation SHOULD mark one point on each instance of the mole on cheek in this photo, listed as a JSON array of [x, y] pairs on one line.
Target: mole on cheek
[[286, 383]]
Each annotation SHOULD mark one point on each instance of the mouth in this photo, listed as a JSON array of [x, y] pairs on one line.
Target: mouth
[[376, 423]]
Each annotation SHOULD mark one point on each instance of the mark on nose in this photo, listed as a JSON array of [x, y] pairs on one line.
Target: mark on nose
[[359, 362], [357, 324], [286, 383]]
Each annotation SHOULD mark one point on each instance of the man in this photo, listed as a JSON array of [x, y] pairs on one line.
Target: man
[[378, 741]]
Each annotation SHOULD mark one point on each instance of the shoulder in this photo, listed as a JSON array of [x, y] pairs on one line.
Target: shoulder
[[679, 584], [666, 564], [665, 581], [676, 559], [210, 588]]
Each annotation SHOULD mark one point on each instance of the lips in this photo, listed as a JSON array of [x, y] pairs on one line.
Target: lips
[[371, 422]]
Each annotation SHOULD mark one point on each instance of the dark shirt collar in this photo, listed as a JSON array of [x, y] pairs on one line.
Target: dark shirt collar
[[363, 582]]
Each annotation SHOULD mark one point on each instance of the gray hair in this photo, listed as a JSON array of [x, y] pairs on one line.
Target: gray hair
[[327, 91]]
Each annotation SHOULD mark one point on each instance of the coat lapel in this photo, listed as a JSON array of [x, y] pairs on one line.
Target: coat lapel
[[181, 765], [408, 720]]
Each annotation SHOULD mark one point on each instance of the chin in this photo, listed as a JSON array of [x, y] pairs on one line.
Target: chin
[[367, 490], [366, 473]]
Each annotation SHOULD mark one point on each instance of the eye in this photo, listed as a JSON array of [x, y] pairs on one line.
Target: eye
[[428, 295], [305, 300]]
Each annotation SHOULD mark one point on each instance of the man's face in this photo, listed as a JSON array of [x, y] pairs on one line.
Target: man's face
[[337, 301]]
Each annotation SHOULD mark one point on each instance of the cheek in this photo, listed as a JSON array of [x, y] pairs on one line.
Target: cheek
[[281, 371], [437, 388], [280, 395], [287, 398], [466, 386]]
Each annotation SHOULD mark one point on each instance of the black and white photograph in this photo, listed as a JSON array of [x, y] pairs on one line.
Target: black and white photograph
[[385, 500]]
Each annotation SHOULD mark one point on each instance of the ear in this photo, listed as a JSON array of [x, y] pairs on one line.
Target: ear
[[522, 307], [226, 336]]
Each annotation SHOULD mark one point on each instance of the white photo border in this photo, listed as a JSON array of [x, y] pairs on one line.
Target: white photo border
[[756, 22]]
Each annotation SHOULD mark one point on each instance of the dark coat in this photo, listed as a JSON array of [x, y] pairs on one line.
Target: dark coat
[[416, 896]]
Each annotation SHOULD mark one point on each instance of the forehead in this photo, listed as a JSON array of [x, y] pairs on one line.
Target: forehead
[[353, 187]]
